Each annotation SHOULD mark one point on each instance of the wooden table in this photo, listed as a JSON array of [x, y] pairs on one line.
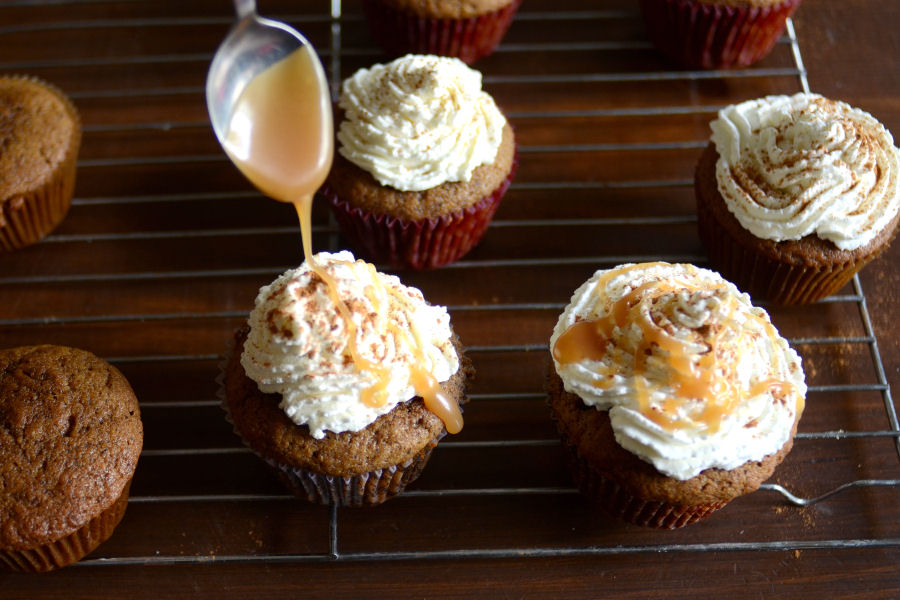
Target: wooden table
[[161, 256]]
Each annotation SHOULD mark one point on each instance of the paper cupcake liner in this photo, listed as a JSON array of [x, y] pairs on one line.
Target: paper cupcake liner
[[399, 32], [71, 548], [620, 503], [766, 278], [26, 219], [365, 489], [615, 500], [422, 244], [696, 35]]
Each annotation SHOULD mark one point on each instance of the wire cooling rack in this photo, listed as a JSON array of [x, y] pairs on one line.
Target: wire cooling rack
[[346, 49]]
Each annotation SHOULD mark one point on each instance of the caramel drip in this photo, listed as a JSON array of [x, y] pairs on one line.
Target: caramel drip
[[423, 382], [429, 388], [584, 340], [374, 395], [281, 137], [693, 375], [779, 388], [587, 340]]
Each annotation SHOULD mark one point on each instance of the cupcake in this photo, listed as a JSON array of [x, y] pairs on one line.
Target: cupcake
[[345, 401], [424, 157], [465, 30], [70, 437], [715, 34], [795, 194], [40, 133], [673, 395]]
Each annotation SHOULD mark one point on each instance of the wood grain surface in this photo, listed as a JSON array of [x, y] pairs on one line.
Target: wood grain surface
[[166, 245]]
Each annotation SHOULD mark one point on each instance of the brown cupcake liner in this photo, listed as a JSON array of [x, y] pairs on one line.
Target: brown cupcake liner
[[26, 219], [399, 32], [422, 244], [696, 35], [766, 278], [71, 548], [618, 502], [366, 489]]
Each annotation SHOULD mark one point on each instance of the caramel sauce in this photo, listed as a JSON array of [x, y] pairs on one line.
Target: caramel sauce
[[584, 340], [280, 135], [693, 375], [423, 382]]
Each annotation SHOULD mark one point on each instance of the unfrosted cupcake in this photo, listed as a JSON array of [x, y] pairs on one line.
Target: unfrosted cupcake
[[465, 29], [672, 393], [345, 414], [716, 34], [40, 133], [70, 438], [795, 194], [424, 157]]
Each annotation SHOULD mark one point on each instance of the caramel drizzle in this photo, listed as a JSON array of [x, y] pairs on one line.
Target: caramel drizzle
[[423, 382], [283, 143], [693, 375]]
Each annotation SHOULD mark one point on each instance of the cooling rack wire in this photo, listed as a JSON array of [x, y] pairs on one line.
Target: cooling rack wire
[[333, 57]]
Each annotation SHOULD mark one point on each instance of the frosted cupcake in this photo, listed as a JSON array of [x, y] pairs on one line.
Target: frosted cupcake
[[795, 194], [346, 408], [468, 30], [424, 157], [672, 393]]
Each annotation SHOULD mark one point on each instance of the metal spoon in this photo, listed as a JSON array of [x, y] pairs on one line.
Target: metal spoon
[[252, 44]]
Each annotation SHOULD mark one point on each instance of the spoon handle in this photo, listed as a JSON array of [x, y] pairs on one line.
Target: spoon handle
[[245, 8]]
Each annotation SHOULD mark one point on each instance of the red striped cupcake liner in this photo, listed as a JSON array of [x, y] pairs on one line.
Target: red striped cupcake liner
[[696, 35], [778, 273], [399, 32], [422, 244], [618, 502], [781, 282]]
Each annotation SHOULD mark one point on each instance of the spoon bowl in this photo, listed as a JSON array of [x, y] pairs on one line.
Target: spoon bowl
[[253, 44]]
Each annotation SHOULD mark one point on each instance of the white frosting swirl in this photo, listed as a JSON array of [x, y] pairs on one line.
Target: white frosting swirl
[[298, 343], [791, 166], [418, 122], [692, 374]]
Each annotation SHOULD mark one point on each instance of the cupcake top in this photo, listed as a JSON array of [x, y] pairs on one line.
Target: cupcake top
[[792, 166], [299, 345], [418, 122], [70, 438], [694, 377], [39, 128]]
